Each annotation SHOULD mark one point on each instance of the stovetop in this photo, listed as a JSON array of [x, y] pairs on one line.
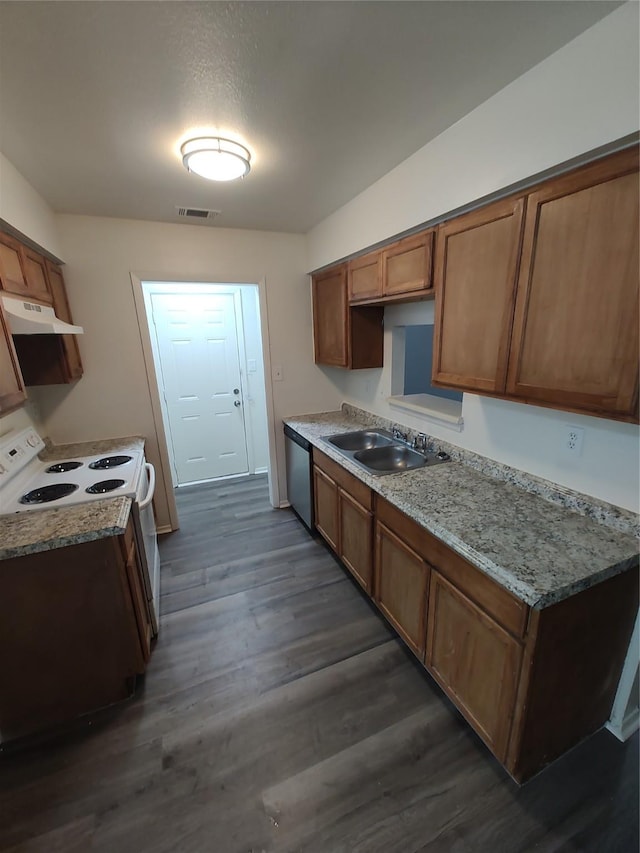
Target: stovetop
[[28, 483]]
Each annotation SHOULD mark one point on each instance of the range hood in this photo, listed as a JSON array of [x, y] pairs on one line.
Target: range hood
[[31, 318]]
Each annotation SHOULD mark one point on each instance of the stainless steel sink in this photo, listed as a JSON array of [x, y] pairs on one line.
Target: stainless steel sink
[[395, 457], [362, 440], [379, 452]]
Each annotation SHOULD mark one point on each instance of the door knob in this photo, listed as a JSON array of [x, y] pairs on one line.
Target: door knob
[[236, 403]]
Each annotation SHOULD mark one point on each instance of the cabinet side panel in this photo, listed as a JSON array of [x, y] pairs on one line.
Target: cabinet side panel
[[579, 652], [67, 642]]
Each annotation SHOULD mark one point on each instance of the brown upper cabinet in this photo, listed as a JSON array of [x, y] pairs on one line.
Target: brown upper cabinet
[[12, 276], [22, 271], [400, 271], [365, 277], [12, 393], [51, 359], [35, 270], [406, 266], [344, 336], [34, 359], [575, 331], [476, 268], [71, 362], [537, 296]]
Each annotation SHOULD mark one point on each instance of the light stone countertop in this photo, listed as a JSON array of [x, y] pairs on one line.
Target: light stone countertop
[[539, 551], [102, 447], [37, 530], [45, 529]]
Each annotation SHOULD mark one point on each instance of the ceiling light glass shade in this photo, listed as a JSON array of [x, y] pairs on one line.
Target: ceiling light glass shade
[[215, 158]]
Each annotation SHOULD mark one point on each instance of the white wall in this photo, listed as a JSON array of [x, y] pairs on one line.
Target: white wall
[[585, 95], [112, 399], [255, 403], [23, 208]]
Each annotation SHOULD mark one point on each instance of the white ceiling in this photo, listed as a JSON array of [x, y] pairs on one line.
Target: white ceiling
[[329, 96]]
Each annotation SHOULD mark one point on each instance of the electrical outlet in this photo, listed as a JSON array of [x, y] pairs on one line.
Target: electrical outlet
[[572, 440]]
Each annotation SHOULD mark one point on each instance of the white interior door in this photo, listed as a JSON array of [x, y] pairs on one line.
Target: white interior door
[[199, 360]]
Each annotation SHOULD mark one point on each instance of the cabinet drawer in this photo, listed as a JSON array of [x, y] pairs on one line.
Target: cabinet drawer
[[357, 489], [505, 608]]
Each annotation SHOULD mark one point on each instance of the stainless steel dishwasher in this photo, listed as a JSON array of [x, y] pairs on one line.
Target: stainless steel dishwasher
[[299, 476]]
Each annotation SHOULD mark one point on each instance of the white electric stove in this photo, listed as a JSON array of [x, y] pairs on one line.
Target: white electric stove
[[27, 483]]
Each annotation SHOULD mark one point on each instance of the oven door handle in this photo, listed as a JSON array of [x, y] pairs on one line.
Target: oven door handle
[[152, 486]]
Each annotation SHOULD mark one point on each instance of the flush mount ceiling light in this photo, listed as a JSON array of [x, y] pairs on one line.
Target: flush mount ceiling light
[[216, 158]]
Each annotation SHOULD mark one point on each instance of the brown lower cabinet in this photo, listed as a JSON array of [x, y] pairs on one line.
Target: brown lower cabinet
[[532, 683], [343, 517], [402, 584], [462, 636], [74, 632]]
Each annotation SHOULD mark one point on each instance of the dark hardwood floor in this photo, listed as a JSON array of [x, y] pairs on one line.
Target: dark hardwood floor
[[279, 713]]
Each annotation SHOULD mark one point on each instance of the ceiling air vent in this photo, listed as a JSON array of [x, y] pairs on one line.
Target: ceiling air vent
[[197, 213]]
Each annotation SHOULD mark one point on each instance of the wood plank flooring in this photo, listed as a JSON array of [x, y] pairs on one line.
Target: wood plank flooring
[[280, 714]]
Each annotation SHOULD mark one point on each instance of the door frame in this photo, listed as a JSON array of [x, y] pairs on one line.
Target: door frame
[[165, 478], [158, 288]]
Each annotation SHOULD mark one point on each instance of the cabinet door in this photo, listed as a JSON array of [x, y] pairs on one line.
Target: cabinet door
[[476, 268], [326, 506], [71, 353], [356, 534], [12, 277], [575, 336], [331, 318], [12, 392], [35, 271], [475, 661], [406, 265], [365, 277], [401, 587]]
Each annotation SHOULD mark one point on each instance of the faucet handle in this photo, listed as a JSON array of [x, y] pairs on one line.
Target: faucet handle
[[420, 442], [397, 433]]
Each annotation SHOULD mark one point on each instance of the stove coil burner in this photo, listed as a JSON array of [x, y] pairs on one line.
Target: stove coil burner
[[104, 486], [109, 462], [63, 467], [48, 493]]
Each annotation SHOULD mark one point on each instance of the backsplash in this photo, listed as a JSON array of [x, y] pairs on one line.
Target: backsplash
[[612, 516]]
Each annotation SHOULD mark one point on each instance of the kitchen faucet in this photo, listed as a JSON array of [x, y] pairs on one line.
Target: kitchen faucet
[[419, 442]]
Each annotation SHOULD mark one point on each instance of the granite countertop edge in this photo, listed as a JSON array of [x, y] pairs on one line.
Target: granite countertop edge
[[387, 487], [73, 525]]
